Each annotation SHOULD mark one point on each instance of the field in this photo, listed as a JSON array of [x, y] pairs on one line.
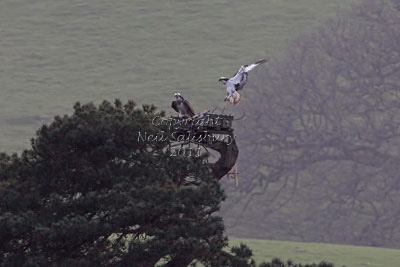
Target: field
[[54, 53], [350, 256]]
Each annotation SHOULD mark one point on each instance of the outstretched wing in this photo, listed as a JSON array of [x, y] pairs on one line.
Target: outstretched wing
[[189, 108], [242, 83], [237, 78], [174, 105], [248, 68]]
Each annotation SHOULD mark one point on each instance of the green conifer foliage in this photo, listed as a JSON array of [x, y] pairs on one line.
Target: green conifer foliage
[[90, 193]]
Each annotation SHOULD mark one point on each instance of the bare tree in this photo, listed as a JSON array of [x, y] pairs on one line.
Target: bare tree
[[321, 139]]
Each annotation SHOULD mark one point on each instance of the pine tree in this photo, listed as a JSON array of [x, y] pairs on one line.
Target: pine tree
[[89, 192]]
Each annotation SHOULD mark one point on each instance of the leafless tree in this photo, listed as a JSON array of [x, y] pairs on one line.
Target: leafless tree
[[320, 144]]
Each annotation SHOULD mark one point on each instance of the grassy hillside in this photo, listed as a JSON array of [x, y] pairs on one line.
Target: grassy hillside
[[351, 256], [57, 52]]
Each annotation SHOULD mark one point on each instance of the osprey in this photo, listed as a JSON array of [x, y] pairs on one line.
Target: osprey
[[182, 106], [238, 81]]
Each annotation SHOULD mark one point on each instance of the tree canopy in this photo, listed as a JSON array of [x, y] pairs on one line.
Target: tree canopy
[[89, 192]]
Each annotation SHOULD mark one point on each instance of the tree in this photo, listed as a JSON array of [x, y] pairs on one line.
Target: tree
[[92, 192], [322, 157]]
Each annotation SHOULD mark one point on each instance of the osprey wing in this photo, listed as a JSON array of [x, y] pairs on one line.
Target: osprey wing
[[248, 68], [237, 78], [189, 108], [242, 83], [174, 105]]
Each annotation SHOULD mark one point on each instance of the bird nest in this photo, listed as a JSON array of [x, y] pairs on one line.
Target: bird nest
[[205, 122]]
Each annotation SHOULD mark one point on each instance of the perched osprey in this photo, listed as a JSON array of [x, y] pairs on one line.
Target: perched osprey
[[182, 106], [238, 81]]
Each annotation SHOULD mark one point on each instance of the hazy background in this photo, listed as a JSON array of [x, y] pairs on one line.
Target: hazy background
[[54, 53], [319, 140]]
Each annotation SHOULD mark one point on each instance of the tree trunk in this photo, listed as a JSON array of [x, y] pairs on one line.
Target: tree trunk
[[228, 156]]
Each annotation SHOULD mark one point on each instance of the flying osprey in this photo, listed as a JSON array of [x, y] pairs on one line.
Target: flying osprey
[[182, 106], [238, 81]]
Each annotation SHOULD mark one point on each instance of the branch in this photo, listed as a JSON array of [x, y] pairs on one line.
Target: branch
[[228, 156]]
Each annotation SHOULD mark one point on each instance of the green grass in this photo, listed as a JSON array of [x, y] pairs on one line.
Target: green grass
[[54, 53], [351, 256]]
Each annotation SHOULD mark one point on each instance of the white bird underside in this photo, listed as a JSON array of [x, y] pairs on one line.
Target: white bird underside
[[238, 81]]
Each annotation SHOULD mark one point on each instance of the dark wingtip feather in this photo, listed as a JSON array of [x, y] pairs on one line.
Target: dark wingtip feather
[[261, 61]]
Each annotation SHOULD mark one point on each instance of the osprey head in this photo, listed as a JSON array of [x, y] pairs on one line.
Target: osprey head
[[223, 80], [178, 96]]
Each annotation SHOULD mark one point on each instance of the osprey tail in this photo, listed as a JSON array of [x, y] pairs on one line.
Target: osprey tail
[[234, 98]]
